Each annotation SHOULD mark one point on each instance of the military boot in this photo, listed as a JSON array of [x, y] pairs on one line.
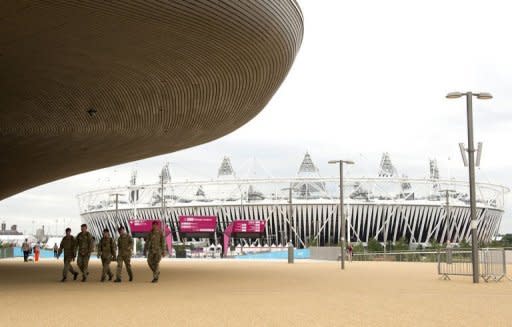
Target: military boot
[[103, 278], [130, 277], [110, 276], [75, 275], [63, 279], [118, 280], [155, 280], [84, 278]]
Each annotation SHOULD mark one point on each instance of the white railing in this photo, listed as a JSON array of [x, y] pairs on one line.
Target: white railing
[[266, 191]]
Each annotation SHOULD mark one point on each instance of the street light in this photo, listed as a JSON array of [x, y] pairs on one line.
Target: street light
[[472, 188], [342, 211]]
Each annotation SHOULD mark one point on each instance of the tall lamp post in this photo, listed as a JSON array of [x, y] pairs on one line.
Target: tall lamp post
[[342, 211], [472, 188]]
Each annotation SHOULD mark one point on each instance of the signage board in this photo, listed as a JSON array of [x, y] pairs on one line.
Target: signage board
[[198, 224], [248, 226]]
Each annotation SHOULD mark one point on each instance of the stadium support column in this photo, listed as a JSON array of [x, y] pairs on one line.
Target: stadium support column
[[341, 209]]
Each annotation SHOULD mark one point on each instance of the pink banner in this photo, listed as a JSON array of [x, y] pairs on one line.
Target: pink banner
[[145, 226], [248, 226], [142, 227], [198, 224], [240, 227]]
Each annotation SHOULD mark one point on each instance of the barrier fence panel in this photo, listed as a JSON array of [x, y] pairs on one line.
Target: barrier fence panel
[[458, 263], [454, 262], [399, 256], [493, 264], [450, 262]]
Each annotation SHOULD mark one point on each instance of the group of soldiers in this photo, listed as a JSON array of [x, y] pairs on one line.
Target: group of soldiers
[[81, 247]]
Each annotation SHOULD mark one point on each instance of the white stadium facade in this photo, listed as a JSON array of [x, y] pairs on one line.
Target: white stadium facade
[[385, 207]]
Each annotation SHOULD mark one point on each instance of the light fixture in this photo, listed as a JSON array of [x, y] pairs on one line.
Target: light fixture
[[484, 95], [453, 95]]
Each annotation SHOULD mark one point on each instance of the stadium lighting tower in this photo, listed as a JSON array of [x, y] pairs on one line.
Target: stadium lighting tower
[[446, 192], [472, 188], [342, 211], [290, 210], [117, 195]]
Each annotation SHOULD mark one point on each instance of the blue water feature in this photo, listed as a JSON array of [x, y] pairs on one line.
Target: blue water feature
[[282, 255], [42, 254]]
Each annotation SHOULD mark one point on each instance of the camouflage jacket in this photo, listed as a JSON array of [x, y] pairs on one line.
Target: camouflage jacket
[[155, 242], [125, 245], [84, 243], [67, 245], [106, 248]]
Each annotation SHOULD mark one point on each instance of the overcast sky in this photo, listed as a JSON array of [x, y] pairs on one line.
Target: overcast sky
[[370, 77]]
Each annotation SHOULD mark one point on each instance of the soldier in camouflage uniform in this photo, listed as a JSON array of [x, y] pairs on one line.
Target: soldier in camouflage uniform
[[67, 245], [107, 253], [124, 254], [85, 246], [155, 248]]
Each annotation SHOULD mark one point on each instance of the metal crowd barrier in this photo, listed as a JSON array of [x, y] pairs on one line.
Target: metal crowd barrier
[[398, 256], [493, 264], [452, 262]]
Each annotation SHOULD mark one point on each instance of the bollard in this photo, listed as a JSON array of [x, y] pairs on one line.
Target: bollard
[[290, 252]]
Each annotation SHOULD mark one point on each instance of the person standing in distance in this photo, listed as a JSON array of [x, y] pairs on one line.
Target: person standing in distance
[[84, 246], [155, 247], [26, 250], [55, 250], [67, 245], [124, 254], [37, 251], [107, 253]]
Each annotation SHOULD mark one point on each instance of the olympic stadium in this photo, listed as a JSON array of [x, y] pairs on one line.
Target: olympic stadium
[[305, 208]]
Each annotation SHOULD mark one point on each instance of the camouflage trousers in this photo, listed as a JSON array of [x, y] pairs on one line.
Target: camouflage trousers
[[105, 262], [126, 260], [82, 262], [154, 263], [67, 266]]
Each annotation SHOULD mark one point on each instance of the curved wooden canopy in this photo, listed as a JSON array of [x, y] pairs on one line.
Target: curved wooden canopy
[[87, 84]]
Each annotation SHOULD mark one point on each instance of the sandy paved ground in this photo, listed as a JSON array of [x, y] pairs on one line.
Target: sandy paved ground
[[250, 293]]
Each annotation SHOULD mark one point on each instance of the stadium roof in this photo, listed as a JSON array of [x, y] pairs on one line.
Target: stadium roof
[[92, 83]]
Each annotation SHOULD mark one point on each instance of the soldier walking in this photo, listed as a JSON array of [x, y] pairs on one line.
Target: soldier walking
[[155, 247], [85, 246], [67, 245], [124, 254], [107, 253]]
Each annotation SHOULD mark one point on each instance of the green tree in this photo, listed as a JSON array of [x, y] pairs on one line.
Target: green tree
[[434, 244], [374, 246], [464, 244], [495, 244], [312, 242], [358, 247], [401, 245], [507, 240]]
